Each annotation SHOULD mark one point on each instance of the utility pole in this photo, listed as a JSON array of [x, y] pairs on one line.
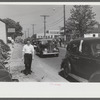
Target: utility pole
[[45, 16], [64, 25], [33, 28], [28, 32], [25, 34]]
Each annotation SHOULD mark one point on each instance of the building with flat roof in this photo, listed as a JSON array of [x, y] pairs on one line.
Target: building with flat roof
[[49, 34]]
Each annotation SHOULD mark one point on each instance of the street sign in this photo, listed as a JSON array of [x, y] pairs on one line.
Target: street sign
[[11, 30]]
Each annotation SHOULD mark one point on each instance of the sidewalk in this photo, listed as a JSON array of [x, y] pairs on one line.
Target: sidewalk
[[41, 71]]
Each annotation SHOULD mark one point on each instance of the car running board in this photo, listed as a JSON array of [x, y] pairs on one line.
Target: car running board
[[78, 78]]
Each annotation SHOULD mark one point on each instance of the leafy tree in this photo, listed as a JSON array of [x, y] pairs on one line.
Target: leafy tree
[[81, 21], [12, 24]]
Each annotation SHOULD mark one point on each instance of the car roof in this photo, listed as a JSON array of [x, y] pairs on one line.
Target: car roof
[[44, 39], [89, 39]]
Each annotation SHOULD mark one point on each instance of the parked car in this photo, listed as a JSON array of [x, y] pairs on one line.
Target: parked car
[[82, 58], [5, 76], [47, 47], [34, 43]]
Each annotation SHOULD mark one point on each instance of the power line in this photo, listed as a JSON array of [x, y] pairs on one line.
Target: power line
[[53, 24], [56, 22]]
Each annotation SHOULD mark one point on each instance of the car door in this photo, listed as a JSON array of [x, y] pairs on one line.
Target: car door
[[74, 55], [86, 61]]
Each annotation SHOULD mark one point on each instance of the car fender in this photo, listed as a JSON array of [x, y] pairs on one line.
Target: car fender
[[63, 61], [95, 77]]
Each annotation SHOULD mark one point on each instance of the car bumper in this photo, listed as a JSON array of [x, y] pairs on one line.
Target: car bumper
[[51, 53]]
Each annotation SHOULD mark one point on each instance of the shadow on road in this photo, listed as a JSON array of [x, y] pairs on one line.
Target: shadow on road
[[69, 78], [47, 56]]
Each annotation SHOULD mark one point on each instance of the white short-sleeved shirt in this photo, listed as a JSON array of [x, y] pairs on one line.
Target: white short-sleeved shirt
[[28, 49]]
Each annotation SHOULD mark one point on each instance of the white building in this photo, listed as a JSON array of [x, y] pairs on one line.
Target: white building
[[91, 35], [49, 34], [3, 34]]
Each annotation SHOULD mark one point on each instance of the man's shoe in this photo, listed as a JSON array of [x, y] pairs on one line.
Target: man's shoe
[[22, 71], [26, 73], [30, 72]]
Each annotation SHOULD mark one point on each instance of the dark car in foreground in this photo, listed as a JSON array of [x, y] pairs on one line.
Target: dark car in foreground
[[47, 47], [5, 76], [82, 59]]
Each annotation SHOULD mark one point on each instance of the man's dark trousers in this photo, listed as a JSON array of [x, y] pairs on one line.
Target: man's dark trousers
[[27, 62]]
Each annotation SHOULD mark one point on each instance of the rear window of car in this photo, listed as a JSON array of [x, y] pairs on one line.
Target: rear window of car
[[73, 47], [96, 48], [86, 49], [46, 41]]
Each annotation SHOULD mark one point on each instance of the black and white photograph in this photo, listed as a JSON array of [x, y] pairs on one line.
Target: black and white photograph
[[49, 43], [50, 50]]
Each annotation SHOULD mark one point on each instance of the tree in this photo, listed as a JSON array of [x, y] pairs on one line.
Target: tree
[[12, 24], [82, 20]]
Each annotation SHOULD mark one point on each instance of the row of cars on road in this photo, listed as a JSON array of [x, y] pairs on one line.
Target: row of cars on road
[[82, 58]]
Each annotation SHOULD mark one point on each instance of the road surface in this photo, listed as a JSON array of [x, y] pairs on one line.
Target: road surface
[[52, 61], [44, 69]]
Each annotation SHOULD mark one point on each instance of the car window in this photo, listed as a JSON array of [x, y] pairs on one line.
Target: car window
[[96, 49], [86, 49], [74, 47]]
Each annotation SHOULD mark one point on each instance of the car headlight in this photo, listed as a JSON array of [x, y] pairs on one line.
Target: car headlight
[[55, 49], [45, 50]]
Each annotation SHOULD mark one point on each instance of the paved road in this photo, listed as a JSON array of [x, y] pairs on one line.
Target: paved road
[[54, 62]]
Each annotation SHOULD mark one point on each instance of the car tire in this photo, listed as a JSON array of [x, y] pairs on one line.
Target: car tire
[[67, 68], [57, 55], [95, 77], [41, 55]]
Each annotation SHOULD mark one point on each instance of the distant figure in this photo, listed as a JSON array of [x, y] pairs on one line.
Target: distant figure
[[28, 55], [12, 41], [60, 42]]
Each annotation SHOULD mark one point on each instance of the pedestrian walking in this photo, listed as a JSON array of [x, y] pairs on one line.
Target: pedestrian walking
[[12, 42], [28, 56], [60, 42]]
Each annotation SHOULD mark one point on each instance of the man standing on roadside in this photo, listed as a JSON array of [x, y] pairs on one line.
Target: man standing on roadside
[[28, 55]]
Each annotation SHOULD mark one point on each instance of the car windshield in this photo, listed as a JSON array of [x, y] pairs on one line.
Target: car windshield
[[96, 49], [45, 41]]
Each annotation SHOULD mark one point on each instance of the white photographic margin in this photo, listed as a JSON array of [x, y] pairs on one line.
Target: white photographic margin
[[49, 89]]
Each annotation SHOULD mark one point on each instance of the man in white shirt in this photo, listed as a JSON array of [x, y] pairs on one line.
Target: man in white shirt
[[28, 55]]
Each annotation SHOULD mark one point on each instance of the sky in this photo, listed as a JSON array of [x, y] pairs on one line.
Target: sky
[[31, 14]]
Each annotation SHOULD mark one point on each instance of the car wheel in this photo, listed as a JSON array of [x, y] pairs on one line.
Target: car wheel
[[57, 55], [67, 69], [41, 54], [95, 77]]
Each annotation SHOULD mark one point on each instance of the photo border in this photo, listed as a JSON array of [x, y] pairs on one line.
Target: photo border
[[49, 89]]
